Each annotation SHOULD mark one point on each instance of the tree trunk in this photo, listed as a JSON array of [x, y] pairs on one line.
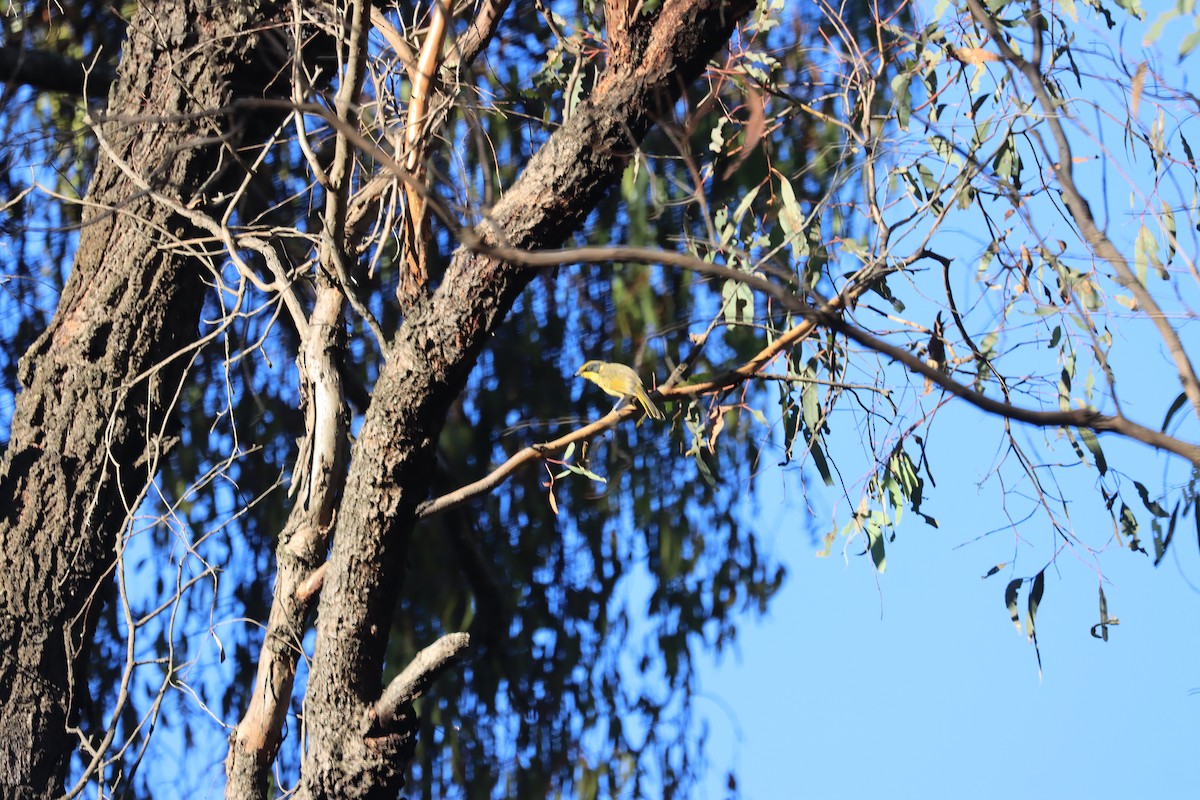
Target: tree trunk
[[355, 747], [98, 385]]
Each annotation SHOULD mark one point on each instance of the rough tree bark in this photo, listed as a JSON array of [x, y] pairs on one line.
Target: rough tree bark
[[355, 747], [98, 385]]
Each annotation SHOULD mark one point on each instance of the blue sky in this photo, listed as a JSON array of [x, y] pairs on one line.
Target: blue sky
[[916, 684]]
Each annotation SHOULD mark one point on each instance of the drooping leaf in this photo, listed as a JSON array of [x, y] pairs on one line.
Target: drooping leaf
[[744, 206], [1105, 619], [1189, 44], [1010, 600], [875, 545], [818, 456], [1093, 444], [738, 300], [1160, 549], [1168, 220], [1129, 527], [902, 98], [1035, 600], [1175, 406], [1151, 505], [791, 218], [811, 402]]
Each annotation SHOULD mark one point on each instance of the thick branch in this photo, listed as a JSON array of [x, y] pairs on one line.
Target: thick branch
[[100, 383], [318, 479], [427, 368], [50, 72]]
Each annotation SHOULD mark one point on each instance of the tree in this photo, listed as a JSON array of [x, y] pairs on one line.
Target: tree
[[762, 207]]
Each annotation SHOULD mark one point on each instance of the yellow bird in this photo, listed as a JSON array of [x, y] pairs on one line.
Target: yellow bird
[[620, 381]]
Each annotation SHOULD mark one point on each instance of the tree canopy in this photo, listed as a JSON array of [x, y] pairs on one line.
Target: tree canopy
[[297, 464]]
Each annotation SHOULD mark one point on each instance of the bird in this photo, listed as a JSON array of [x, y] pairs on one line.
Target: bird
[[620, 381]]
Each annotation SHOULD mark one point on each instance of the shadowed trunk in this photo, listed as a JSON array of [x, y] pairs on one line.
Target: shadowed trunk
[[98, 386]]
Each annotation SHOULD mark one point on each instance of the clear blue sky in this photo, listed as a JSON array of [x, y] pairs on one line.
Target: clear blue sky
[[918, 685]]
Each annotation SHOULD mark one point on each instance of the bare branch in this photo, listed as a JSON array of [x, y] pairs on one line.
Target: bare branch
[[415, 678]]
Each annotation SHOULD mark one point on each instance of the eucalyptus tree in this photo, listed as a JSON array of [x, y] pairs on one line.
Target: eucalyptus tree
[[299, 464]]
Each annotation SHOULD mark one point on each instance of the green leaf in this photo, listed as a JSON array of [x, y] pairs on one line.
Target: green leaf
[[791, 425], [790, 216], [1169, 230], [1189, 44], [1151, 506], [1093, 444], [902, 98], [738, 302], [1145, 253], [1196, 517], [587, 473], [1155, 30], [717, 137], [945, 150], [1035, 599], [1134, 7], [1129, 527], [1064, 390], [1175, 406], [875, 539], [819, 461], [744, 206], [932, 187], [1166, 542], [812, 407], [1105, 619], [994, 570], [1010, 600]]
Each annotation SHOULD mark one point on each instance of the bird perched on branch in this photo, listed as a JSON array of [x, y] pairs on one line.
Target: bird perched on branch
[[619, 381]]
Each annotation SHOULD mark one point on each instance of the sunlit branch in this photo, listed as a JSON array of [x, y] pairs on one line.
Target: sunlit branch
[[827, 316], [416, 677]]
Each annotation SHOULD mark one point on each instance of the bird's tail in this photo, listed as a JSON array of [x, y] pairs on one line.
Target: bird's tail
[[648, 404]]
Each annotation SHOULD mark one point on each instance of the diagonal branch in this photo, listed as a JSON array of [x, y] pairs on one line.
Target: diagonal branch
[[418, 676], [829, 316]]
